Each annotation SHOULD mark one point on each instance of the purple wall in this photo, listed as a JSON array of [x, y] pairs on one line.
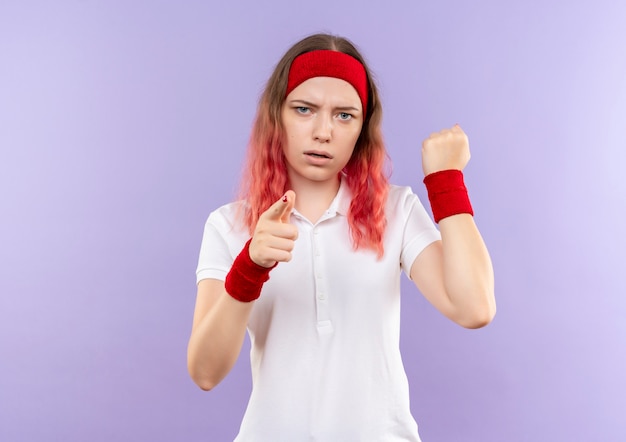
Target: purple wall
[[123, 124]]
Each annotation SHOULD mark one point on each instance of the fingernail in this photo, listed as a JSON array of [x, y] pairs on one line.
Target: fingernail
[[285, 199]]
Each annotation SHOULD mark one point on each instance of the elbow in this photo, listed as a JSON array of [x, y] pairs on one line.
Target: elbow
[[478, 313], [206, 373], [205, 385], [476, 322], [201, 378], [479, 318], [203, 382]]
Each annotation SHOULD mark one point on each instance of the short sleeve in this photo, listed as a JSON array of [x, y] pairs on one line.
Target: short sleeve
[[220, 245], [419, 231]]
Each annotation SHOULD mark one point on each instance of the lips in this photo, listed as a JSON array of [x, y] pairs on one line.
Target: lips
[[318, 154]]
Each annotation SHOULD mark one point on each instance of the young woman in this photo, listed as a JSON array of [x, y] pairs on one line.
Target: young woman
[[309, 260]]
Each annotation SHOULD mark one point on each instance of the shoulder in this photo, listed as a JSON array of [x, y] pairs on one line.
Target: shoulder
[[409, 224], [404, 207], [224, 232], [401, 198], [227, 218]]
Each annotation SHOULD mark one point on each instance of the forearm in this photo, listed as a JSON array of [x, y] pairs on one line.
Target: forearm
[[223, 307], [467, 271], [216, 341]]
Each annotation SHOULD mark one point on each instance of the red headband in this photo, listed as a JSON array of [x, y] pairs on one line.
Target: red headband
[[324, 63]]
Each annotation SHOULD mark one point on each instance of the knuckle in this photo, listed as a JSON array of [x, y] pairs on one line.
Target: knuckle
[[259, 234]]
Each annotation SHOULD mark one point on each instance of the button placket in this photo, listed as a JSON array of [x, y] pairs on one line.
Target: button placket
[[321, 293]]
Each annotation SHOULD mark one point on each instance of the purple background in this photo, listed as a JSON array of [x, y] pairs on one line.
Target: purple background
[[123, 124]]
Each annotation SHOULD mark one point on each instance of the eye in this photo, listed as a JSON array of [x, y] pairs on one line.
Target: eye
[[344, 116], [302, 109]]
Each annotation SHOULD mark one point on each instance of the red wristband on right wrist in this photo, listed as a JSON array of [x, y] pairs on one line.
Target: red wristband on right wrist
[[246, 278]]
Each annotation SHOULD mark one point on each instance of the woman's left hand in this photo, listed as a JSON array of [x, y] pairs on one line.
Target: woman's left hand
[[446, 149]]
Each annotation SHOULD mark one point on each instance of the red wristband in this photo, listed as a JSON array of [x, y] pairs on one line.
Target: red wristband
[[447, 194], [246, 278]]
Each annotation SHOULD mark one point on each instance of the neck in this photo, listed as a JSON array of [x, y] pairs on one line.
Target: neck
[[314, 198]]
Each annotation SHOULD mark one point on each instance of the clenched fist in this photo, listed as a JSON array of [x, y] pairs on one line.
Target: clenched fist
[[273, 238], [447, 149]]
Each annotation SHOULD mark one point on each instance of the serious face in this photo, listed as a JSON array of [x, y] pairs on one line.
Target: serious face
[[322, 120]]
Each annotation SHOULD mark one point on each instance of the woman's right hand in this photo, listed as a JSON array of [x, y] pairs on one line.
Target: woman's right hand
[[274, 236]]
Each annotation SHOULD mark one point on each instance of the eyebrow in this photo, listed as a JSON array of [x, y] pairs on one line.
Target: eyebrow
[[339, 108]]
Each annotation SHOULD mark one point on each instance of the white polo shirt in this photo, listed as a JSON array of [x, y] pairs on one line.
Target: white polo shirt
[[325, 333]]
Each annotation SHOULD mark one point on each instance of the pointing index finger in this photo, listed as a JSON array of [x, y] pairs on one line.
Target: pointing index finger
[[289, 199], [281, 209]]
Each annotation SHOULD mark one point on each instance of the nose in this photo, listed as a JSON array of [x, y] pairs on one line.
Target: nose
[[323, 129]]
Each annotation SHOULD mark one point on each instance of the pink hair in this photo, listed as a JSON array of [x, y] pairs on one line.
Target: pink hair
[[368, 182], [265, 177]]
